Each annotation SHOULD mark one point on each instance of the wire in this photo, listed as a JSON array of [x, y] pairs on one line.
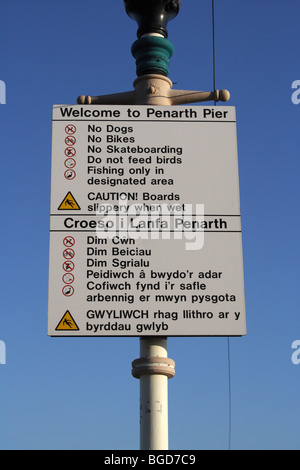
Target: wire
[[214, 47], [228, 339], [229, 394]]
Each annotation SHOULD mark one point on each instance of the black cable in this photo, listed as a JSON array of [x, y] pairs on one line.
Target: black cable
[[228, 339], [229, 394]]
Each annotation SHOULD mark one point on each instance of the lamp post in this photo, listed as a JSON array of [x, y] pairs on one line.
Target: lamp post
[[152, 51]]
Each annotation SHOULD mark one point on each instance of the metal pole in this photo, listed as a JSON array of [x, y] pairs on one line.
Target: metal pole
[[153, 369], [152, 52]]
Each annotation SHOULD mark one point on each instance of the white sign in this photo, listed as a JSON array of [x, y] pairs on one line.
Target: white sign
[[145, 232]]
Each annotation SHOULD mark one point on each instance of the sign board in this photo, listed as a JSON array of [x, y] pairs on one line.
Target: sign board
[[145, 226]]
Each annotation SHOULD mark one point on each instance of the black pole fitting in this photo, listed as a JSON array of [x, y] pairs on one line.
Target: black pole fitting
[[152, 16]]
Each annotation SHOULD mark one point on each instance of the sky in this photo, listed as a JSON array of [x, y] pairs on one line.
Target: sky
[[78, 393]]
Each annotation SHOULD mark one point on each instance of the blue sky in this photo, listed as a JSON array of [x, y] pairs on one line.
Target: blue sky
[[74, 393]]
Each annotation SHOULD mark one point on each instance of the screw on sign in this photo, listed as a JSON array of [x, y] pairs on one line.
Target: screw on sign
[[70, 129]]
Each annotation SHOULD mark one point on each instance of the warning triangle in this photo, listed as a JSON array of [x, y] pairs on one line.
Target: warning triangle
[[67, 323], [69, 203]]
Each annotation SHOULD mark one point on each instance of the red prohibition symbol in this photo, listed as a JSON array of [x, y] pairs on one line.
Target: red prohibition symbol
[[68, 266], [69, 241], [68, 291], [68, 253], [70, 152], [70, 163], [70, 140], [70, 174], [68, 278], [70, 129]]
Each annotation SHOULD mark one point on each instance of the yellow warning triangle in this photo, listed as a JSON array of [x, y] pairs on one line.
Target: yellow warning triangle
[[67, 323], [69, 203]]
